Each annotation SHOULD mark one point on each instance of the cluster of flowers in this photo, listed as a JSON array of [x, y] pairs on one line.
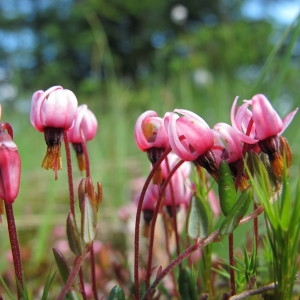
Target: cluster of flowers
[[56, 111], [53, 112], [255, 126]]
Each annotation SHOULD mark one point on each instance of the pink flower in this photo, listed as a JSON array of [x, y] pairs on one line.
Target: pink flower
[[10, 166], [169, 163], [85, 123], [53, 112], [56, 108], [227, 145], [179, 189], [149, 131], [189, 134], [260, 123]]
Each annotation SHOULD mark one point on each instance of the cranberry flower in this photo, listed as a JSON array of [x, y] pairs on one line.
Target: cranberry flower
[[191, 138], [179, 190], [189, 135], [227, 144], [84, 129], [149, 132], [260, 123], [10, 165], [53, 112], [151, 136]]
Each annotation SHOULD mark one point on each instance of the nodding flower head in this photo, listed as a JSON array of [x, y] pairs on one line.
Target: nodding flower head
[[149, 131], [189, 135], [262, 125], [227, 144], [10, 165], [259, 123], [85, 125], [55, 107], [84, 129], [53, 112], [151, 136]]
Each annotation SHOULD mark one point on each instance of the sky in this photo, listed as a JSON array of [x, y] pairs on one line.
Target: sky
[[283, 12]]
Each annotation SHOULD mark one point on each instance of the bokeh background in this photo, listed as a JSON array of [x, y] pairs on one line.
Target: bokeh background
[[122, 58]]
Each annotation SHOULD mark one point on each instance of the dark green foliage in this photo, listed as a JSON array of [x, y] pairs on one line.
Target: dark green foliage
[[116, 294], [187, 285]]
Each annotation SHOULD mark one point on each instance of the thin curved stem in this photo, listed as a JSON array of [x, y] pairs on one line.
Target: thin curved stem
[[92, 252], [138, 221], [70, 174], [15, 248], [231, 262], [72, 275], [154, 218]]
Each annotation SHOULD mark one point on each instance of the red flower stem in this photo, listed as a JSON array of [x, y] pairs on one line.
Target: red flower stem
[[70, 175], [15, 248], [81, 283], [174, 216], [213, 237], [154, 218], [78, 264], [138, 221], [92, 253], [72, 197], [86, 155], [255, 229], [231, 262]]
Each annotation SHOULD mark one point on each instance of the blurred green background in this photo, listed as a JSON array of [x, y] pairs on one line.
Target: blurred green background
[[122, 58]]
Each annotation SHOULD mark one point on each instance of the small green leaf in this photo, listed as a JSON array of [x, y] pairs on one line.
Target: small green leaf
[[198, 219], [73, 235], [88, 221], [116, 293], [227, 191], [47, 286], [237, 212], [62, 264], [8, 292], [187, 285]]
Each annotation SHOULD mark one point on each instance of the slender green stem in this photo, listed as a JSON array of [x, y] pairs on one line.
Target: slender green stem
[[15, 247]]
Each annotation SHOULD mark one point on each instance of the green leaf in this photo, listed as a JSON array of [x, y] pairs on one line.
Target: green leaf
[[73, 235], [259, 179], [237, 212], [88, 221], [227, 191], [62, 264], [8, 292], [116, 293], [187, 285], [198, 219], [47, 286]]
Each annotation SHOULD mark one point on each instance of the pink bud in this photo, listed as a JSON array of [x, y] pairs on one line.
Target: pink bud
[[85, 123], [10, 168]]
